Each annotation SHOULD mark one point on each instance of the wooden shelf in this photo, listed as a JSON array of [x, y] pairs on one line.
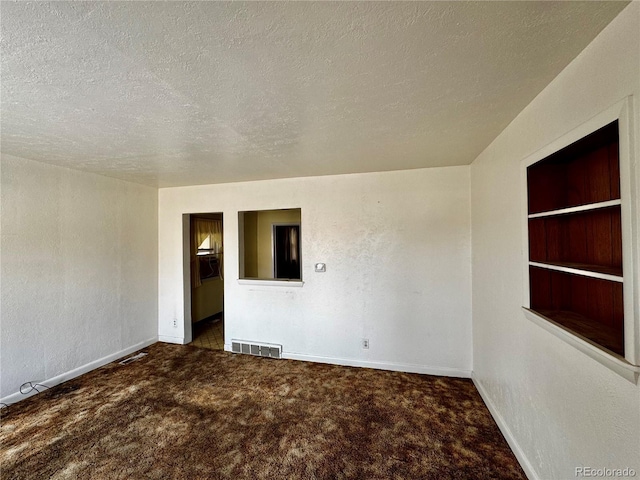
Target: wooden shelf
[[578, 209], [613, 274], [606, 337], [615, 362], [597, 299]]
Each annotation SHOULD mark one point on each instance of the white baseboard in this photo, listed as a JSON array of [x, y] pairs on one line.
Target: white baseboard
[[168, 339], [395, 367], [76, 372], [506, 432]]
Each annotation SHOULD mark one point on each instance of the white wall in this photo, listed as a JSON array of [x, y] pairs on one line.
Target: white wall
[[207, 299], [79, 270], [562, 408], [397, 249]]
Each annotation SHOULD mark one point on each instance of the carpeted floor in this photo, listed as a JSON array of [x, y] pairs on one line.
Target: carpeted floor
[[189, 413]]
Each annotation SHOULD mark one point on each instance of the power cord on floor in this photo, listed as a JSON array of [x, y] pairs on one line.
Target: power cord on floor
[[28, 387], [25, 389]]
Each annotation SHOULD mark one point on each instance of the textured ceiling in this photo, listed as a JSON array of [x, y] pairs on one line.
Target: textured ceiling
[[182, 93]]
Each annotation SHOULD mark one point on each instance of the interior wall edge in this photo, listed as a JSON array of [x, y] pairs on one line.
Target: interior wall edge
[[79, 269], [564, 409], [366, 229], [506, 431]]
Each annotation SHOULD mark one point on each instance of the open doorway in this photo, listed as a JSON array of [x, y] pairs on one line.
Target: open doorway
[[207, 280]]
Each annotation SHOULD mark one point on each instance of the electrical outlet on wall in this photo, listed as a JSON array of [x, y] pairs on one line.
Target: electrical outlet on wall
[[365, 343], [175, 323]]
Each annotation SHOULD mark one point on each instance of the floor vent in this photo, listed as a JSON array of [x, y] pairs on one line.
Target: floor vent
[[257, 349], [127, 361]]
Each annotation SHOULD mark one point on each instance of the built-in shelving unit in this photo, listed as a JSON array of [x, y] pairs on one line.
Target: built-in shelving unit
[[579, 212], [575, 239]]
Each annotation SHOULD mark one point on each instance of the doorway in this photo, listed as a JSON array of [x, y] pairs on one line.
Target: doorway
[[207, 280]]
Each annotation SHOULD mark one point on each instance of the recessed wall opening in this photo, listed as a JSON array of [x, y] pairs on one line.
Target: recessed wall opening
[[575, 239], [270, 244], [206, 265]]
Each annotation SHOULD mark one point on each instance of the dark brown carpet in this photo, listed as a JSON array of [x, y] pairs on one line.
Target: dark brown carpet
[[189, 413]]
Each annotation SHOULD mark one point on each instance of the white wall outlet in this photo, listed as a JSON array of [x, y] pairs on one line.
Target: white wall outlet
[[365, 343], [321, 267], [175, 323]]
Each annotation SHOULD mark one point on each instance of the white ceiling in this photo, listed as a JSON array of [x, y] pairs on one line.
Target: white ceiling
[[182, 93]]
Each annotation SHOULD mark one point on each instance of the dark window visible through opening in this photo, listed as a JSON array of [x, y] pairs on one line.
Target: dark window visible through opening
[[286, 253]]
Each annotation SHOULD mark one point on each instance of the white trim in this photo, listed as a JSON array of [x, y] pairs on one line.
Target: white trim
[[616, 363], [613, 113], [579, 208], [76, 372], [168, 339], [266, 282], [506, 431], [187, 320], [524, 206], [394, 367], [577, 271], [630, 216]]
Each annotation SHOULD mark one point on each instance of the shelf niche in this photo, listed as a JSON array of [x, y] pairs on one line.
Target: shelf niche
[[585, 173], [590, 307], [590, 240]]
